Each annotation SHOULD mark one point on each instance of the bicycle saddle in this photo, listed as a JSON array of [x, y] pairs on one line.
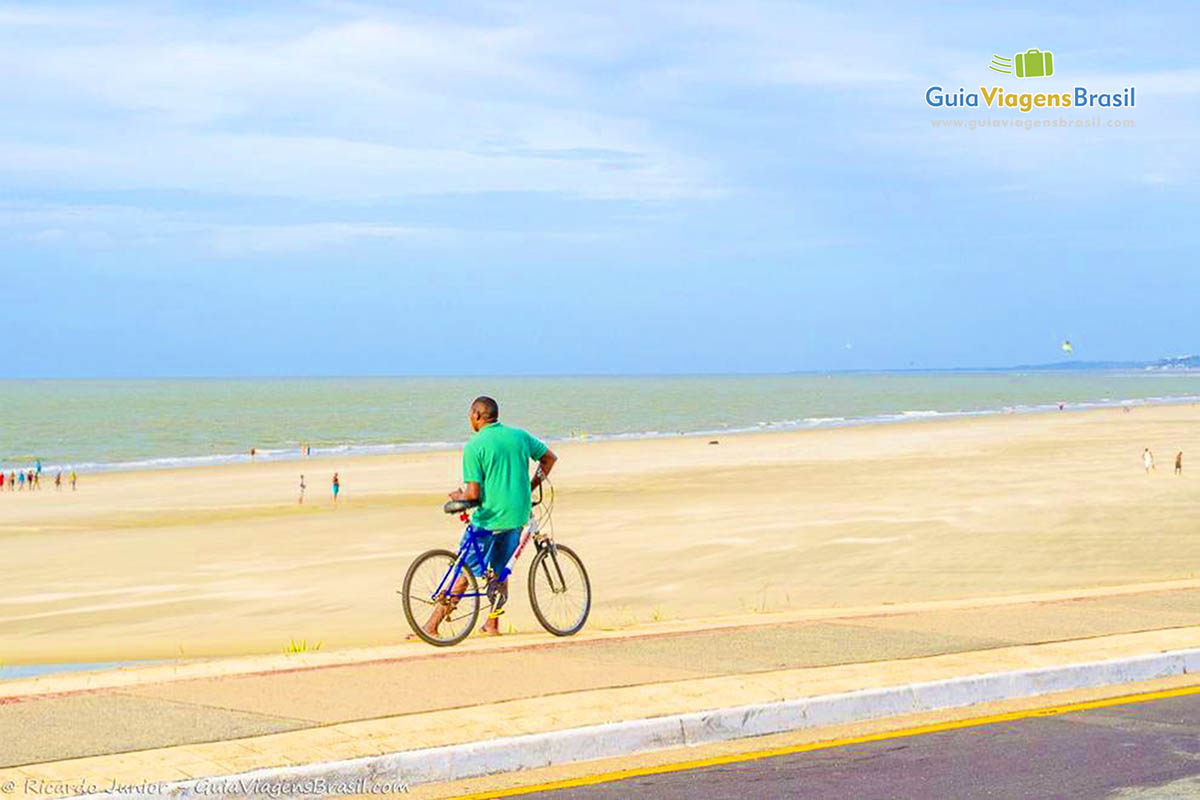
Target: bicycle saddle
[[456, 506]]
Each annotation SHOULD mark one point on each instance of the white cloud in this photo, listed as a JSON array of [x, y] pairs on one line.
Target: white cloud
[[368, 102], [111, 226], [365, 108], [347, 103], [242, 239], [326, 169]]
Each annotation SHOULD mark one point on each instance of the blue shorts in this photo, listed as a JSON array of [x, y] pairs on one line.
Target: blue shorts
[[497, 547]]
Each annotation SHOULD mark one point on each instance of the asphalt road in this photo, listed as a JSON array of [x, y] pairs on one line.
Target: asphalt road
[[1142, 750]]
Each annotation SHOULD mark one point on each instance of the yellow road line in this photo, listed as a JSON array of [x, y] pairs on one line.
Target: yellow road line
[[683, 766]]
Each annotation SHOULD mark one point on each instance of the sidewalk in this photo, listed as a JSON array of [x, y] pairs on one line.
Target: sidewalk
[[169, 723]]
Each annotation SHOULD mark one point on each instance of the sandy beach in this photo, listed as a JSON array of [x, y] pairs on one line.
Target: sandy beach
[[221, 560]]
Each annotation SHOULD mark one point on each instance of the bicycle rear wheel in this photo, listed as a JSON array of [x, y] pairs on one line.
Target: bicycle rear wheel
[[423, 599], [559, 590]]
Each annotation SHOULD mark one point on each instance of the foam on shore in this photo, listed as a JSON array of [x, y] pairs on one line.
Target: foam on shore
[[393, 448]]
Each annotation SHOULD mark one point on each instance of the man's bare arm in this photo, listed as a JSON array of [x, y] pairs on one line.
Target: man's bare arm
[[470, 492], [545, 464]]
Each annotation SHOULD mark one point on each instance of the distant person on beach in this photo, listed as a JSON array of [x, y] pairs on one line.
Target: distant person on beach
[[302, 488], [1, 481], [73, 479], [32, 480], [1148, 460], [12, 481], [22, 480], [1179, 463], [58, 481], [337, 486], [37, 465], [253, 452]]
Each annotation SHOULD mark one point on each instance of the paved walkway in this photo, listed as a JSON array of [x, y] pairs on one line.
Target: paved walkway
[[168, 723]]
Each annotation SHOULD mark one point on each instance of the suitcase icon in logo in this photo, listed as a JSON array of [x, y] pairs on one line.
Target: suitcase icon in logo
[[1034, 63]]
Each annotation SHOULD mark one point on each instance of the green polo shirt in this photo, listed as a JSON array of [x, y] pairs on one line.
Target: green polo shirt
[[497, 458]]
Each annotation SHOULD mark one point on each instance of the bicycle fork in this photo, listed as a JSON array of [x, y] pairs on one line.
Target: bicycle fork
[[545, 543]]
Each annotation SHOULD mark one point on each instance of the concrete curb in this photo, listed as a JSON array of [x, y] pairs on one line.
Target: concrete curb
[[475, 759]]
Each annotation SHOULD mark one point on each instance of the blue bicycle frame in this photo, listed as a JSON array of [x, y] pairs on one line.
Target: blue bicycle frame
[[475, 546]]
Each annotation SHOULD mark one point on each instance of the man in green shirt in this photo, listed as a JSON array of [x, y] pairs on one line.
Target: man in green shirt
[[495, 468]]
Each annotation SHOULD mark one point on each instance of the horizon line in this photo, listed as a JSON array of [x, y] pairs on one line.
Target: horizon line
[[1059, 366]]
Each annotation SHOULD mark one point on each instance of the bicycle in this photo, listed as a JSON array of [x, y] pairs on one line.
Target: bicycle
[[559, 589]]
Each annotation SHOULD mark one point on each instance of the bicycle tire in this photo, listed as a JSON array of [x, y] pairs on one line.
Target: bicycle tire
[[546, 564], [472, 610]]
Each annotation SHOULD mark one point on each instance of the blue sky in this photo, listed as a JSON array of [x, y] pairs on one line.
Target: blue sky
[[356, 188]]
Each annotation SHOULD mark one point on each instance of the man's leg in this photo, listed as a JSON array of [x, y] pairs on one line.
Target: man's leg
[[467, 546], [491, 625], [503, 545], [442, 610]]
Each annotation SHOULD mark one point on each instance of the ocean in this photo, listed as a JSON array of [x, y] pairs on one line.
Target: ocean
[[135, 424]]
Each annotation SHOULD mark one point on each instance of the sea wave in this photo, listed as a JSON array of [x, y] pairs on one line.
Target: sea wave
[[293, 453]]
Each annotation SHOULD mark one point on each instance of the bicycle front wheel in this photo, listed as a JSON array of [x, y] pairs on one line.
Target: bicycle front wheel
[[430, 601], [559, 590]]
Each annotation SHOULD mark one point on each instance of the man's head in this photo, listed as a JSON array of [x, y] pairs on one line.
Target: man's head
[[484, 411]]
